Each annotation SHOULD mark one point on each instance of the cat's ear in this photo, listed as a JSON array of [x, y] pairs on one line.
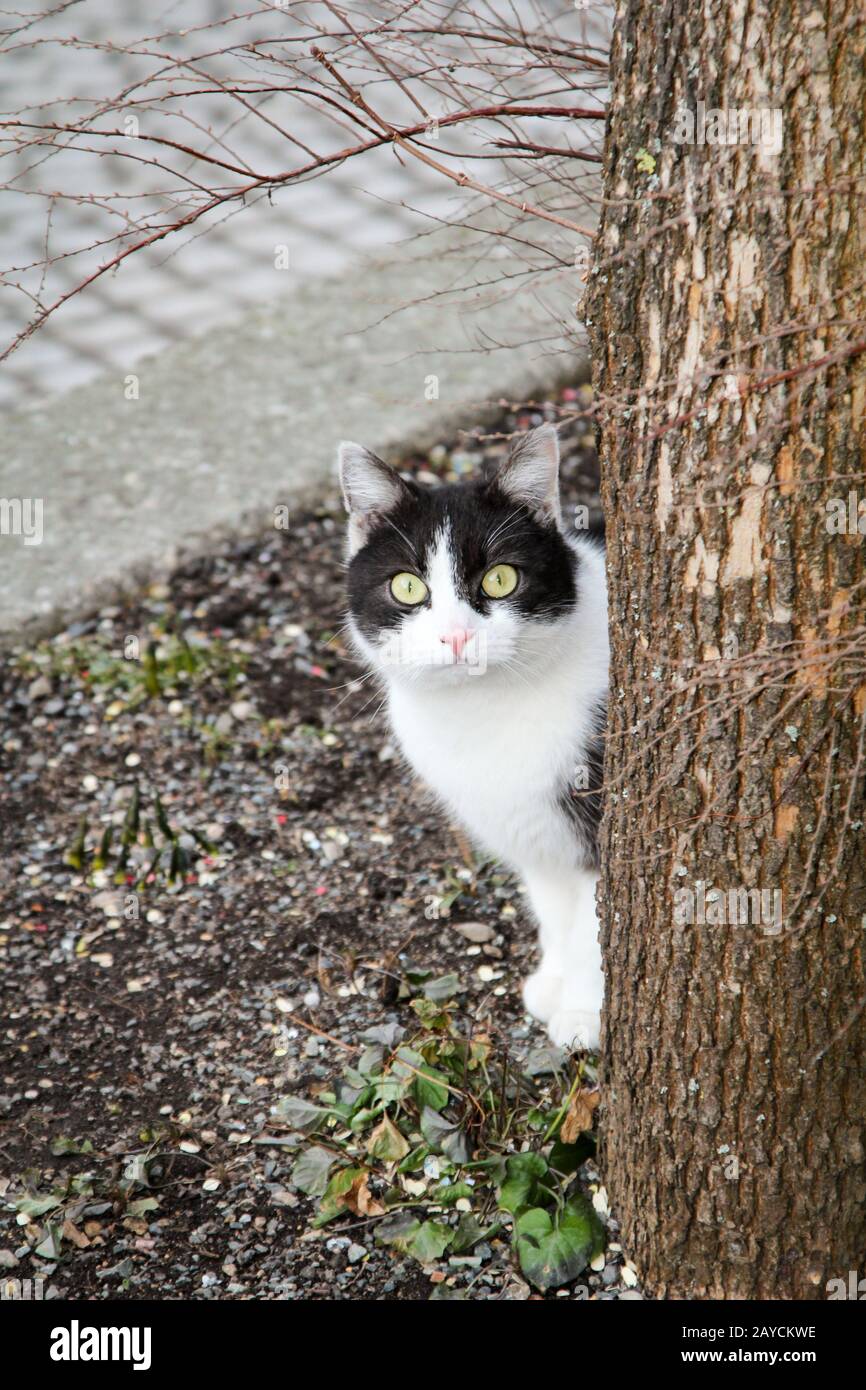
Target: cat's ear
[[530, 474], [371, 489]]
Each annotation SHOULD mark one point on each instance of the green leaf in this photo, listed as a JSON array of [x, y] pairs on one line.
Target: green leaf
[[520, 1188], [310, 1173], [448, 1193], [387, 1089], [431, 1088], [100, 858], [386, 1142], [434, 1128], [131, 819], [555, 1248], [62, 1146], [163, 821], [74, 856], [142, 1205], [151, 670], [370, 1062], [567, 1158], [425, 1241], [456, 1147], [431, 1014], [364, 1116], [424, 1082], [443, 987], [36, 1206], [444, 1136], [417, 976], [468, 1233], [430, 1242], [397, 1229], [49, 1247], [415, 1160], [301, 1114]]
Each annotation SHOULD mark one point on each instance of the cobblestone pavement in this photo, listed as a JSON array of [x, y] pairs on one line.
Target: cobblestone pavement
[[239, 256], [178, 286]]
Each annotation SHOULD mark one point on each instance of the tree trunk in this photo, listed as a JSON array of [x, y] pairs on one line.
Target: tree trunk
[[727, 315]]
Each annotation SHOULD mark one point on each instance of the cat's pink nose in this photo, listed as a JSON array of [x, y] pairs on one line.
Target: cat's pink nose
[[457, 639]]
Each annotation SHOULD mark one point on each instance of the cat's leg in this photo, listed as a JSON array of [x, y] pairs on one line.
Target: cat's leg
[[551, 893], [576, 1020]]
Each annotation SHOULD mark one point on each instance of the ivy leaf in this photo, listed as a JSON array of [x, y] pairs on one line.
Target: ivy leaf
[[386, 1142], [520, 1188], [469, 1233], [567, 1158], [430, 1242], [554, 1248], [425, 1241]]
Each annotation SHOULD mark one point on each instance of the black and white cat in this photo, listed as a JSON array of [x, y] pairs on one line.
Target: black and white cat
[[488, 625]]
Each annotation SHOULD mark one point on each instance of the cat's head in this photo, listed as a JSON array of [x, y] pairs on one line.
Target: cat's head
[[453, 582]]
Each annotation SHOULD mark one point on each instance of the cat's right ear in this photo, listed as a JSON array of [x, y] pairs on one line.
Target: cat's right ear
[[371, 489]]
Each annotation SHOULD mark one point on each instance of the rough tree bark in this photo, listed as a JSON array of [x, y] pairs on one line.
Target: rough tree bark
[[727, 315]]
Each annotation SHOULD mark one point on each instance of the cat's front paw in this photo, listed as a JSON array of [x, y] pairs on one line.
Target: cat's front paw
[[577, 1029], [541, 994]]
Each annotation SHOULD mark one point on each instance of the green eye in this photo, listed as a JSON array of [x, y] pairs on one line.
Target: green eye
[[500, 581], [408, 588]]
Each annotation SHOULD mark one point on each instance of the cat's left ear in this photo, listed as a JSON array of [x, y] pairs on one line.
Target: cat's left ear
[[530, 474], [371, 489]]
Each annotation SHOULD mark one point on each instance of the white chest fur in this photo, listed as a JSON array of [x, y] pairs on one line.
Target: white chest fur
[[500, 748]]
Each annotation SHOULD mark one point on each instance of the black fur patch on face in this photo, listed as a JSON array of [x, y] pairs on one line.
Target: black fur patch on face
[[486, 528]]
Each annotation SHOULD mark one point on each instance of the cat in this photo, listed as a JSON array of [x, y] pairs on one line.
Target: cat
[[487, 623]]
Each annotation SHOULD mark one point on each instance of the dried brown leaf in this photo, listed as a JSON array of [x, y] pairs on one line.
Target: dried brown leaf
[[360, 1200], [580, 1113]]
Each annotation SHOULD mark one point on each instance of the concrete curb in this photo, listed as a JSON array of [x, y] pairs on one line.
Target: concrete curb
[[203, 440]]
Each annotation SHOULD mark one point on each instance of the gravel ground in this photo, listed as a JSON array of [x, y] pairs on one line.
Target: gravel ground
[[154, 1020]]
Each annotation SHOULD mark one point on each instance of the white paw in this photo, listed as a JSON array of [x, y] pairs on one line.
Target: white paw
[[577, 1029], [541, 994]]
